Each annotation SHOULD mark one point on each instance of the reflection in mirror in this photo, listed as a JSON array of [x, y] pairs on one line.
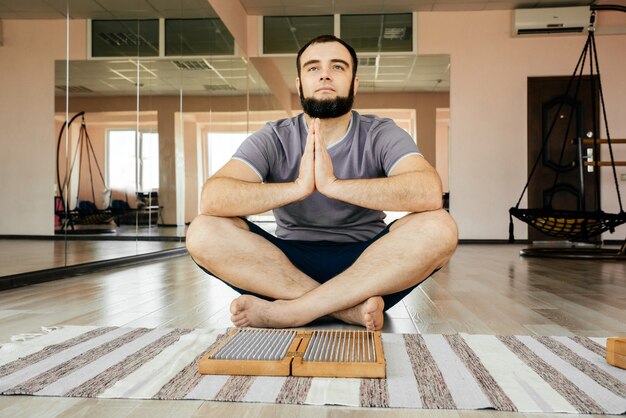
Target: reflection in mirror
[[191, 112], [148, 90], [177, 105]]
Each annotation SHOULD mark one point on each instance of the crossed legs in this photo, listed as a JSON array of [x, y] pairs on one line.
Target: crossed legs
[[415, 246]]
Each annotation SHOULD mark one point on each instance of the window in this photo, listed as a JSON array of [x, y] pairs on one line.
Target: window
[[378, 33], [125, 38], [197, 37], [125, 160], [287, 34], [221, 147]]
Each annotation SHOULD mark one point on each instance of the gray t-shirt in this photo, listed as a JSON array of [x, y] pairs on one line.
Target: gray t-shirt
[[370, 149]]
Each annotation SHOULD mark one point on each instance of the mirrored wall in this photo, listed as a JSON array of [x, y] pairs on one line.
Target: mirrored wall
[[161, 100], [152, 97]]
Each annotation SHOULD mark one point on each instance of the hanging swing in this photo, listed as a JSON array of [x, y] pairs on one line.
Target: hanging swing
[[86, 217], [576, 225]]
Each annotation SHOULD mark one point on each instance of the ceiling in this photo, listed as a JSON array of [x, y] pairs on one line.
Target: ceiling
[[228, 76], [143, 9]]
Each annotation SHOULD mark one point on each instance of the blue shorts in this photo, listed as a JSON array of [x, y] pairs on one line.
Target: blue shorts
[[320, 260]]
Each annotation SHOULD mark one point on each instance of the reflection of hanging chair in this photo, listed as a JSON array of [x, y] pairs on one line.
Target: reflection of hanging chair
[[86, 217], [575, 225]]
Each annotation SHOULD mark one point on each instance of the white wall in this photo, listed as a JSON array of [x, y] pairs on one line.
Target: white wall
[[27, 137], [489, 71]]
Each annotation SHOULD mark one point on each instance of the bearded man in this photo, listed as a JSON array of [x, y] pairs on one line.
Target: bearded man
[[328, 174]]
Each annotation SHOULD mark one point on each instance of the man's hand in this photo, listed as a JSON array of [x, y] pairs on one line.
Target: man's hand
[[316, 166], [324, 172], [306, 177]]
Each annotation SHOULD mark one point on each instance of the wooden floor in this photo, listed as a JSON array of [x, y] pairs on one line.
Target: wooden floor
[[486, 289], [24, 255]]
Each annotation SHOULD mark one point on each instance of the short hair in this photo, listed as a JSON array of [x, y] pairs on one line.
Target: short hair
[[329, 38]]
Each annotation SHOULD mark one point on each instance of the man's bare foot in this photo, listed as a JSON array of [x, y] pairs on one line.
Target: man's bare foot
[[369, 314], [250, 311]]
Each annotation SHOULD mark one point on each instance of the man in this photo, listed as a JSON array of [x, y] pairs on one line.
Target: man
[[328, 174]]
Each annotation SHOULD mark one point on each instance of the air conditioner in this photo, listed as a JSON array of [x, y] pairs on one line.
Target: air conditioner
[[553, 20]]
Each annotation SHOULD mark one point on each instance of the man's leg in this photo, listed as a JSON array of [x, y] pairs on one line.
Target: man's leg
[[416, 245], [227, 248]]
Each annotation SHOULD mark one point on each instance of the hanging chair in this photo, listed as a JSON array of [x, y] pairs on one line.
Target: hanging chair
[[86, 217], [575, 225]]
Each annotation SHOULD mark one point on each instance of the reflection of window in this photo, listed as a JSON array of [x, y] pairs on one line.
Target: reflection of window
[[125, 159], [125, 38], [222, 146], [378, 33], [287, 34], [197, 37]]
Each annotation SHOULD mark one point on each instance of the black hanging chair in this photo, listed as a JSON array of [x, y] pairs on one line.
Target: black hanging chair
[[86, 217], [575, 225]]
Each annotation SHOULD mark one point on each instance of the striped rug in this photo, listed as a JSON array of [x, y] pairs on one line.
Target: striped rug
[[460, 371]]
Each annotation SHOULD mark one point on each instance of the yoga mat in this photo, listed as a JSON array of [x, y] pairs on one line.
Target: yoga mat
[[424, 371]]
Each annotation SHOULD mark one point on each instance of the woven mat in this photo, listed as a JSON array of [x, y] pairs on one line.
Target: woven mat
[[424, 371]]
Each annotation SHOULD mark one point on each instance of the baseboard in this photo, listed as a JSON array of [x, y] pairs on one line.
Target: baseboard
[[492, 241], [87, 237], [523, 241], [46, 275]]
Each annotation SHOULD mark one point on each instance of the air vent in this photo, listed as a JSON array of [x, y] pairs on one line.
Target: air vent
[[219, 87], [75, 89], [191, 65], [394, 33]]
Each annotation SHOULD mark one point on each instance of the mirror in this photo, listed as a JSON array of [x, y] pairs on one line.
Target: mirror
[[131, 161], [147, 107], [162, 113]]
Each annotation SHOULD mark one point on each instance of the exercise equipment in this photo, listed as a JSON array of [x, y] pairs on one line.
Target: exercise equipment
[[616, 352], [86, 217], [577, 225], [279, 352]]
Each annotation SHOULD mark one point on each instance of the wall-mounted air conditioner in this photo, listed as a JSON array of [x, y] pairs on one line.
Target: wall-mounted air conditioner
[[554, 20]]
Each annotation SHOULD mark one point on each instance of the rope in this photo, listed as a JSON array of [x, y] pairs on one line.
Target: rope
[[606, 125], [60, 186], [594, 111], [591, 49], [545, 140], [581, 59]]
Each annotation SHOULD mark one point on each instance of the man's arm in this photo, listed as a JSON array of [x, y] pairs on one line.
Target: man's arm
[[413, 186], [236, 190]]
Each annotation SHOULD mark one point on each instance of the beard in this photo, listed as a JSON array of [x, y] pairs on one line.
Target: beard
[[329, 108]]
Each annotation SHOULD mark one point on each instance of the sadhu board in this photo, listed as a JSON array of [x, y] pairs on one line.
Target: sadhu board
[[310, 353]]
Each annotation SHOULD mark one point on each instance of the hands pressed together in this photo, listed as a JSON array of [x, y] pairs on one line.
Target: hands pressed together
[[316, 166]]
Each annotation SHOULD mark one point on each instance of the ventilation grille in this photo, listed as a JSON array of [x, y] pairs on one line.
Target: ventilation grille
[[394, 33], [551, 29], [191, 65], [74, 89], [219, 87], [123, 39]]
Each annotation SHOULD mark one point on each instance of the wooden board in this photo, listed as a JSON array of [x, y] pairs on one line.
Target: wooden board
[[616, 352], [352, 354], [327, 353]]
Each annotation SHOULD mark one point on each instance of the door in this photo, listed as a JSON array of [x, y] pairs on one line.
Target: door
[[559, 183]]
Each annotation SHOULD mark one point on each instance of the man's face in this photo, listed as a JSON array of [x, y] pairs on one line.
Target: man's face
[[326, 86]]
